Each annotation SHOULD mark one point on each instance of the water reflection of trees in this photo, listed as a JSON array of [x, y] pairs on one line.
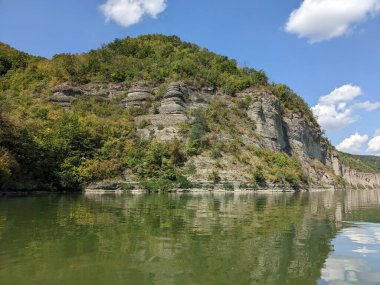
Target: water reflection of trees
[[170, 239]]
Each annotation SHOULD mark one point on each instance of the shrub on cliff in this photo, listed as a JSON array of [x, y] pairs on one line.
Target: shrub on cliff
[[290, 101]]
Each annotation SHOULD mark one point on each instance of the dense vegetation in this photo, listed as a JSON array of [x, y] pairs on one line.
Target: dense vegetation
[[156, 58], [11, 59], [45, 147]]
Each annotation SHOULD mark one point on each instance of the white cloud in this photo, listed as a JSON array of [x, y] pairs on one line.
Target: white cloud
[[337, 109], [369, 106], [130, 12], [353, 144], [374, 144], [331, 118], [343, 94], [319, 20]]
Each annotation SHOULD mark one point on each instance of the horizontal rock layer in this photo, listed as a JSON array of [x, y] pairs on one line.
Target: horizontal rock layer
[[65, 94], [139, 94], [174, 99]]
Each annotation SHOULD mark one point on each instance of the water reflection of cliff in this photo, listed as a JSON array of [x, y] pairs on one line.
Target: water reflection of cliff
[[177, 239]]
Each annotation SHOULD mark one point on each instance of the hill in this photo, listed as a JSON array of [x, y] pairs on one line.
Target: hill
[[365, 163], [159, 111]]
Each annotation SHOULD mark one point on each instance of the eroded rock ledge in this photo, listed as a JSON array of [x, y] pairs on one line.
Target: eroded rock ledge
[[65, 94], [174, 101], [139, 95]]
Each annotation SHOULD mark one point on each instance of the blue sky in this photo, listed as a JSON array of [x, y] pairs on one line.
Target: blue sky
[[326, 50]]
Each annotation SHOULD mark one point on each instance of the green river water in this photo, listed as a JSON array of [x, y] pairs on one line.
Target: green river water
[[201, 238]]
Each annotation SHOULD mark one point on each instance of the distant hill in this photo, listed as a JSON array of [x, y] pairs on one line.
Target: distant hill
[[366, 163]]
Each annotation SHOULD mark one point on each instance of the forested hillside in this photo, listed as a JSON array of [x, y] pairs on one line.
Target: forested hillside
[[45, 146]]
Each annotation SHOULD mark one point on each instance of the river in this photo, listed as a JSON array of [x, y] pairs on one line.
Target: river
[[321, 237]]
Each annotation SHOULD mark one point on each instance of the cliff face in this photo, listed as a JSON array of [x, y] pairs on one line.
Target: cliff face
[[293, 133], [305, 140], [353, 177], [265, 112], [290, 132], [274, 128]]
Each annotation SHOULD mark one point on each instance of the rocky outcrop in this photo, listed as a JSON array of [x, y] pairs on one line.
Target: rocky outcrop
[[61, 100], [304, 138], [139, 95], [266, 113], [174, 101], [65, 94], [291, 133], [305, 141], [353, 177], [360, 179], [296, 135], [67, 90]]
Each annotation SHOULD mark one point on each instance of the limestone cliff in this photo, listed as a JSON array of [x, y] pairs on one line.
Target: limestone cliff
[[268, 126], [354, 177], [265, 112], [293, 133]]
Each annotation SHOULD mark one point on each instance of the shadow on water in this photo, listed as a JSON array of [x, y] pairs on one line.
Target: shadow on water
[[203, 238]]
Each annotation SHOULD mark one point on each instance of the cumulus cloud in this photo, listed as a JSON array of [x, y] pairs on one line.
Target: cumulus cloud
[[374, 144], [353, 144], [337, 110], [319, 20], [130, 12], [343, 94], [332, 118]]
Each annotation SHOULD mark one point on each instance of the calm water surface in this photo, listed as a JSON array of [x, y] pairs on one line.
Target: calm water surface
[[231, 238]]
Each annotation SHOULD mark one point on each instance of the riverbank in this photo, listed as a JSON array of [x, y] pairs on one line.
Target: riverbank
[[199, 186], [194, 187], [203, 191], [32, 193]]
